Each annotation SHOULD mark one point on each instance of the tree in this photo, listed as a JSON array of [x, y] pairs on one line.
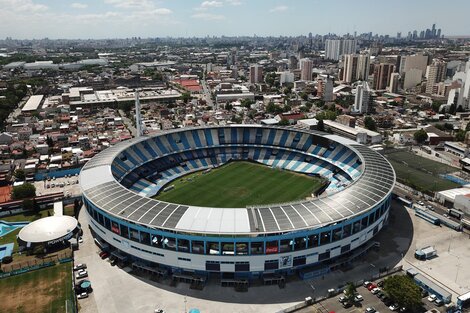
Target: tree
[[284, 122], [50, 142], [420, 136], [350, 292], [321, 126], [369, 123], [19, 174], [23, 191], [436, 105], [185, 96], [467, 128], [326, 115], [404, 291], [228, 106], [460, 136]]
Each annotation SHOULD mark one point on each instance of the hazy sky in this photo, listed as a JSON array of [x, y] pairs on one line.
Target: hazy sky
[[147, 18]]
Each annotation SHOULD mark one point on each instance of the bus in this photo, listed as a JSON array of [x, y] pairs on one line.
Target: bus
[[455, 213], [405, 202]]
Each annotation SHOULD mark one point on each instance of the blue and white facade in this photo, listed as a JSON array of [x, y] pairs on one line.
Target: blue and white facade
[[281, 238]]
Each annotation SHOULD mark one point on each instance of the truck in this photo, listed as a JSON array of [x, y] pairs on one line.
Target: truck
[[425, 253]]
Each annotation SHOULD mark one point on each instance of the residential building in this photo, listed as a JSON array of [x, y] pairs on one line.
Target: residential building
[[394, 82], [355, 67], [363, 99], [382, 75], [436, 74], [256, 74], [306, 68]]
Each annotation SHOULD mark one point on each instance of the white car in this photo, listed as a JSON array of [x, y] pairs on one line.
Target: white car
[[432, 298], [81, 274], [80, 266], [358, 298], [83, 295], [370, 310], [375, 290], [393, 307], [80, 239]]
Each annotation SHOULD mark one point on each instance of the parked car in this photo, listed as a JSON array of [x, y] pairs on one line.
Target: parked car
[[81, 274], [358, 298], [104, 255], [393, 307], [370, 310], [83, 295], [371, 286], [342, 299], [375, 290], [367, 283], [347, 304], [438, 302], [80, 239], [79, 266], [380, 284], [432, 298]]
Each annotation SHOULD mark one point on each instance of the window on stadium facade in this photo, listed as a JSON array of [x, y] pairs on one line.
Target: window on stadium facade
[[300, 243], [286, 245], [325, 238], [213, 248], [197, 247], [228, 248], [183, 245], [347, 230], [145, 238], [134, 234], [124, 231], [337, 234], [257, 248], [241, 248], [313, 240]]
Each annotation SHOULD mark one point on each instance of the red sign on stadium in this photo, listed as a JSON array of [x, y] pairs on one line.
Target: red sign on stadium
[[270, 250]]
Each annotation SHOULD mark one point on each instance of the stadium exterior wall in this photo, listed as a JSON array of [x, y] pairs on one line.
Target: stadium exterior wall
[[178, 261]]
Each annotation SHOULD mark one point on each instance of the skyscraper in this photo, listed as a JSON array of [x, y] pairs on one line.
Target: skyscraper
[[362, 101], [306, 68], [382, 74], [394, 80], [256, 74], [436, 73], [355, 67], [333, 49]]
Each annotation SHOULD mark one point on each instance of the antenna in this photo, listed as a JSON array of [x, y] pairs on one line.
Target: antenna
[[138, 118]]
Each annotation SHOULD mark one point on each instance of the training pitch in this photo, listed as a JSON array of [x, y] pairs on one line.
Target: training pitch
[[45, 290], [238, 184], [420, 173]]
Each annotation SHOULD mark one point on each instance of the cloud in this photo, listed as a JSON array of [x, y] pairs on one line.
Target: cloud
[[22, 6], [131, 3], [208, 16], [279, 8], [78, 5], [211, 4], [234, 2]]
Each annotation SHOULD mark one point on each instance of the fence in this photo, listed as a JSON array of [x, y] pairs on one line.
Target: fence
[[34, 262]]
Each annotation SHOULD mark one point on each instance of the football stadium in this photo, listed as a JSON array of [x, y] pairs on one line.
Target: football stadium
[[151, 201]]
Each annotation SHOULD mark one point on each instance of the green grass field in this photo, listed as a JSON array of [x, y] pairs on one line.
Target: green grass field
[[239, 184], [44, 290], [419, 172]]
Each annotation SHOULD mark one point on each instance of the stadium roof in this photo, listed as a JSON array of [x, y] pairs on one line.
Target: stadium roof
[[372, 187], [48, 228]]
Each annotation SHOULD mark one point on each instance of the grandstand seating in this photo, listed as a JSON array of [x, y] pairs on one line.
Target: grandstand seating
[[148, 166]]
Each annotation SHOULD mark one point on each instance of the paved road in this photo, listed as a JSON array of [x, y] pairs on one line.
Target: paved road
[[207, 92]]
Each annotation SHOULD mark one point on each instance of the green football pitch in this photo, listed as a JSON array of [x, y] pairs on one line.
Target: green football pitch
[[238, 184]]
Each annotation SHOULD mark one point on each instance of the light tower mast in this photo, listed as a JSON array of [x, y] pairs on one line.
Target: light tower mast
[[138, 117]]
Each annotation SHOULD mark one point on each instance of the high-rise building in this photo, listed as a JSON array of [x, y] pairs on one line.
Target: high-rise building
[[382, 73], [333, 49], [306, 69], [349, 46], [286, 77], [325, 88], [436, 74], [394, 81], [355, 67], [293, 62], [363, 99], [416, 61], [412, 78], [256, 74]]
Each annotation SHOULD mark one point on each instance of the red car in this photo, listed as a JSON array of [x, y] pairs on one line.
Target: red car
[[371, 286], [104, 254]]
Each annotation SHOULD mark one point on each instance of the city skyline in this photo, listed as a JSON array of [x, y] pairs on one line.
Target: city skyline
[[34, 19]]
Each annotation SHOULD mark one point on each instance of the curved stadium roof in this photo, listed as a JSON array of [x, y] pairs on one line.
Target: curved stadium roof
[[103, 190]]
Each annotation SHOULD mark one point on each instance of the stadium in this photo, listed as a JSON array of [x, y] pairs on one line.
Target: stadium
[[305, 237]]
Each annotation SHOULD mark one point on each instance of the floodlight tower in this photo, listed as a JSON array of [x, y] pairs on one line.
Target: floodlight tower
[[138, 117]]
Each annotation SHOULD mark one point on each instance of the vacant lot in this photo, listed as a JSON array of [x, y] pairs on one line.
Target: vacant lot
[[420, 173], [45, 290], [239, 184]]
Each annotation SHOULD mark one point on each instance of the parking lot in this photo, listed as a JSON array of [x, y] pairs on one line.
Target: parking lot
[[68, 185], [116, 290]]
